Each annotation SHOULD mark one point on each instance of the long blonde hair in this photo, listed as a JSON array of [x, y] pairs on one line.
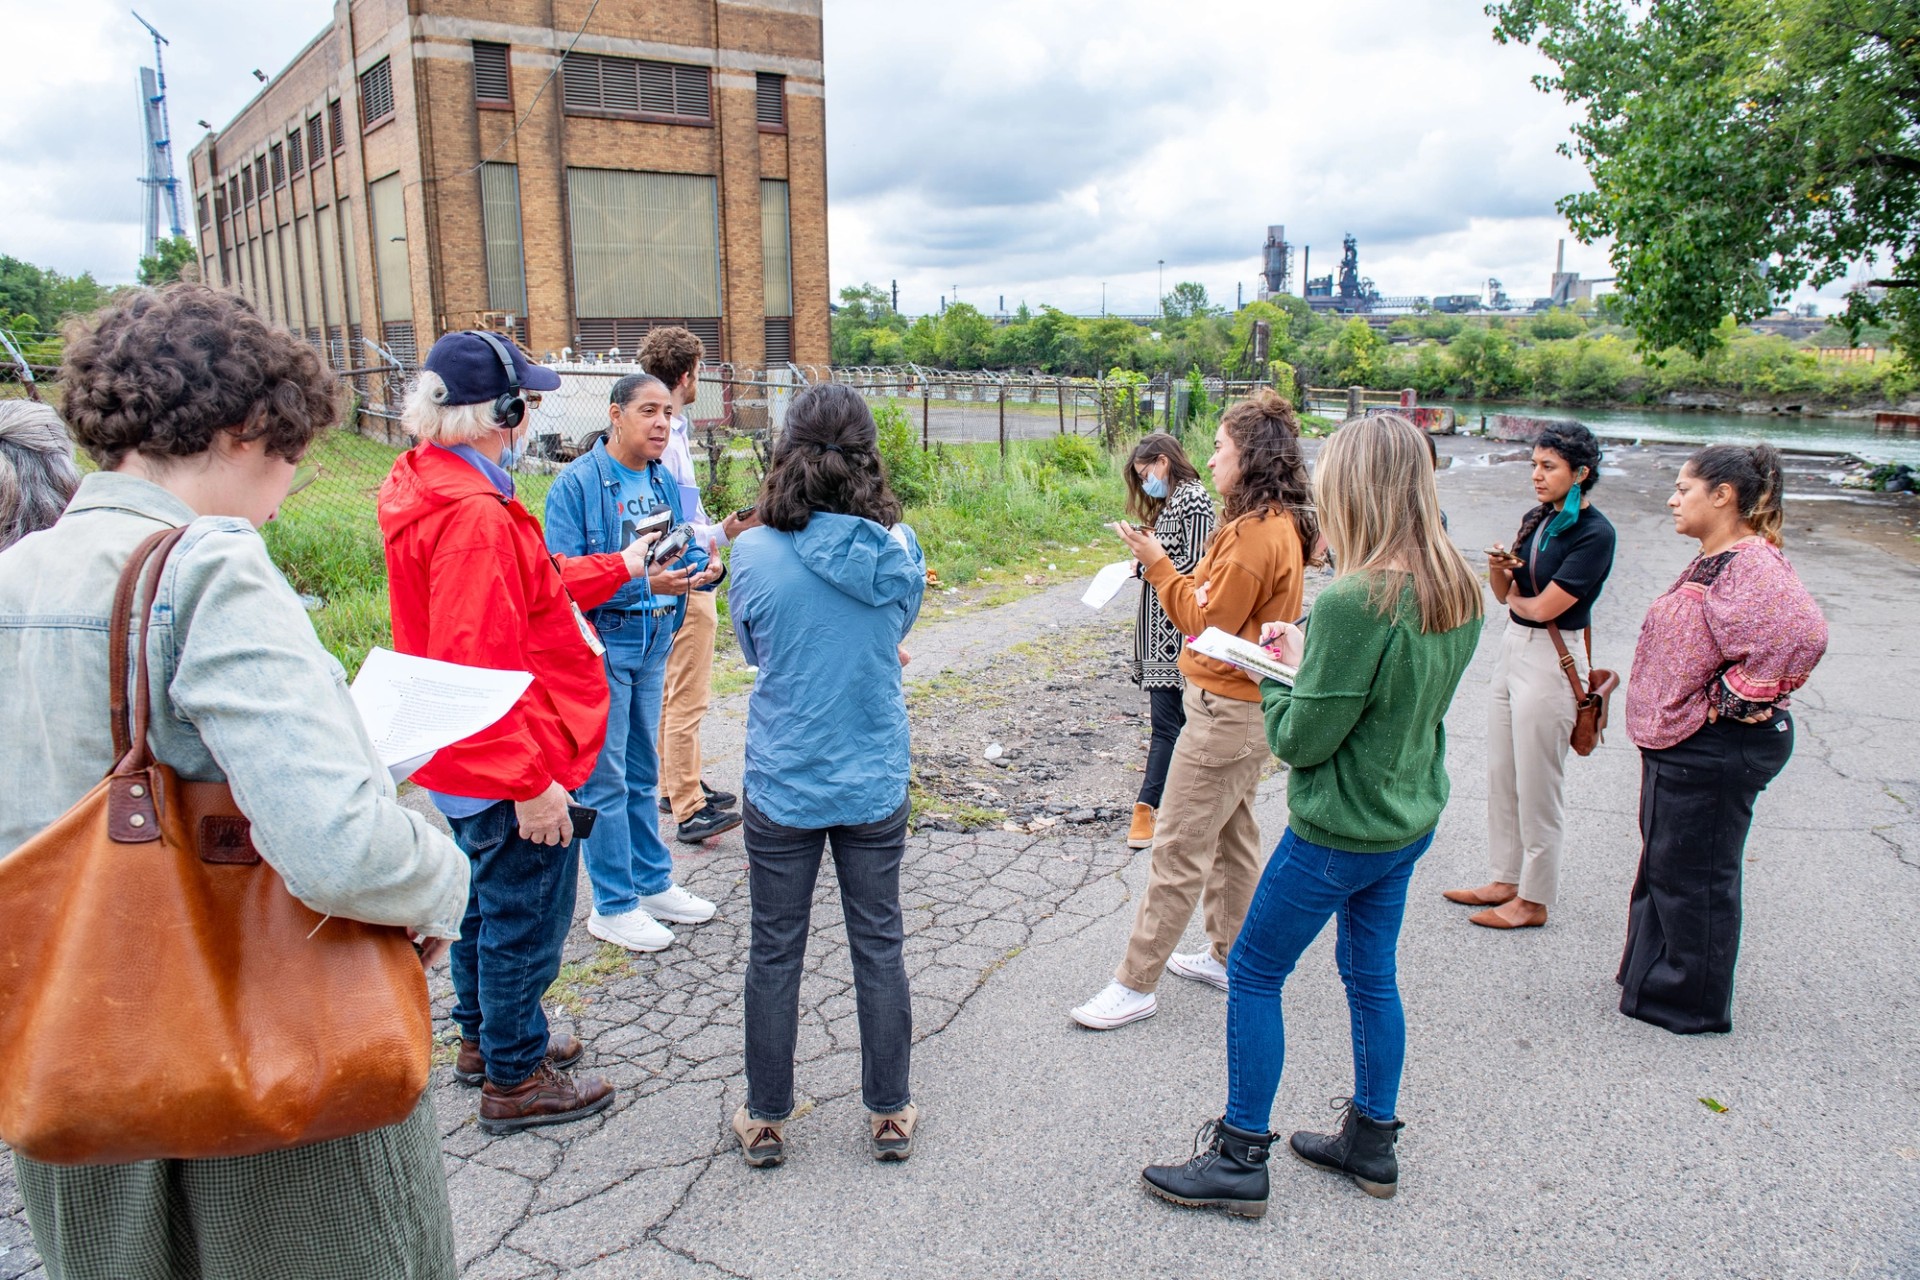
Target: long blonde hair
[[1373, 484]]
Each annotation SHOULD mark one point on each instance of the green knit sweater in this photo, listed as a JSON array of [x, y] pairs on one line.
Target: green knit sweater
[[1362, 725]]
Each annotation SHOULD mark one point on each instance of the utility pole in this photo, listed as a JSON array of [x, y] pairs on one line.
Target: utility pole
[[896, 296], [1103, 299], [1163, 284]]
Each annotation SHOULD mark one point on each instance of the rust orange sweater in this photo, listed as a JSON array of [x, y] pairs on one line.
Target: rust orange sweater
[[1252, 571]]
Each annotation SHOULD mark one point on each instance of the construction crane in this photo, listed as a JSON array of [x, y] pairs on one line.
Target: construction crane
[[159, 181]]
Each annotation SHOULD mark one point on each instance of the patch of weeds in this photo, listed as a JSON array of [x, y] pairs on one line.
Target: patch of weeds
[[730, 675], [967, 816], [578, 979], [996, 966]]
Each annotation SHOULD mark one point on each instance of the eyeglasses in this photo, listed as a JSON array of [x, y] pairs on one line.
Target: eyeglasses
[[304, 476], [532, 398]]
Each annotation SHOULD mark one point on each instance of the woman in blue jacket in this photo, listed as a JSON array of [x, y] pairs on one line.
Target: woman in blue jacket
[[822, 596]]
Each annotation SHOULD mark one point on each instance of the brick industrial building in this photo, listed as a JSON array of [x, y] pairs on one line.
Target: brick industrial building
[[429, 165]]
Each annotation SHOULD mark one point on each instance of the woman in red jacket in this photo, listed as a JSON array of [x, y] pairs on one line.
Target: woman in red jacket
[[470, 581]]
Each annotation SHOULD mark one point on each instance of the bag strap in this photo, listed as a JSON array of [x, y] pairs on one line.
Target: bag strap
[[141, 576], [1566, 662]]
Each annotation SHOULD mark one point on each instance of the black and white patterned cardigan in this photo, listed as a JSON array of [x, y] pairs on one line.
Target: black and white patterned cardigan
[[1184, 528]]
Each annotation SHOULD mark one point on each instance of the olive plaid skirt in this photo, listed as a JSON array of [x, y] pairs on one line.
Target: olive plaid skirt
[[370, 1207]]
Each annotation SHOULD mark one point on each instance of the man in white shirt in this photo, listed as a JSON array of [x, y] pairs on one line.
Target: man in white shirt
[[673, 355]]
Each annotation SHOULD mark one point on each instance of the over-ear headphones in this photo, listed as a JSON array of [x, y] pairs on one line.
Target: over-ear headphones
[[510, 410]]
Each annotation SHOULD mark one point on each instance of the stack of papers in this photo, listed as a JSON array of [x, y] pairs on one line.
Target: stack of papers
[[1107, 584], [412, 707], [1223, 646]]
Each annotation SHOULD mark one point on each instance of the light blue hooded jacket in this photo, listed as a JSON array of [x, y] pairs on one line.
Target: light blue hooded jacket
[[822, 613]]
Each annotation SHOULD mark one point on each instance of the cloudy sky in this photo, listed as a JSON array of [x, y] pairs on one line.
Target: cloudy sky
[[1031, 150]]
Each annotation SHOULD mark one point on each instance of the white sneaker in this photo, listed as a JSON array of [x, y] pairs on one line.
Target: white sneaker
[[635, 930], [1114, 1007], [1200, 967], [676, 904]]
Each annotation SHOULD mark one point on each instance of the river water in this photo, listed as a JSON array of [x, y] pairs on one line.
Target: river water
[[1817, 435]]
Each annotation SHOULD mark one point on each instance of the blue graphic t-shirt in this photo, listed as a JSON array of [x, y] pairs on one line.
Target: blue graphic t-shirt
[[635, 497]]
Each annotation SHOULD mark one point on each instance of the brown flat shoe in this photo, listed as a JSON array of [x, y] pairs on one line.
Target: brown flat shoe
[[1491, 919], [1477, 897]]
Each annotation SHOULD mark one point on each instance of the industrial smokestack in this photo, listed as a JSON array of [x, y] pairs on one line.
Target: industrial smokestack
[[1560, 258]]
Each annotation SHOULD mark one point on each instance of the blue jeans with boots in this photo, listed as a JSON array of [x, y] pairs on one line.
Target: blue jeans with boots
[[626, 858]]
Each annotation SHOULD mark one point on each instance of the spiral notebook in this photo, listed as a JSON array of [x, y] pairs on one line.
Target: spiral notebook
[[1225, 647]]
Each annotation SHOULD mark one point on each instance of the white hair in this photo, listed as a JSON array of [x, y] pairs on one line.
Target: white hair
[[37, 475], [427, 415]]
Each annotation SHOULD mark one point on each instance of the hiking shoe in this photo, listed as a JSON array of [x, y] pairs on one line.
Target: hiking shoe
[[1362, 1149], [635, 930], [1199, 966], [892, 1132], [706, 824], [470, 1067], [718, 799], [1228, 1171], [762, 1142], [676, 904], [1140, 834], [545, 1097], [1115, 1006]]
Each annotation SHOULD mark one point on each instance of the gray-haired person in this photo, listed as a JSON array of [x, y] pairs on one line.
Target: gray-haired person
[[37, 475]]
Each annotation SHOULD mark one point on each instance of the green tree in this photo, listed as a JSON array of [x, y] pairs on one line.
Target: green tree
[[1739, 149], [963, 337], [172, 259], [865, 325], [1356, 354], [47, 296], [1188, 300]]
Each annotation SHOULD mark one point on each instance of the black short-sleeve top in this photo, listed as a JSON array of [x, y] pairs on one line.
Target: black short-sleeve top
[[1576, 560]]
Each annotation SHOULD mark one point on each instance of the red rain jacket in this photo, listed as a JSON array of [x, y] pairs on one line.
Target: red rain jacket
[[470, 581]]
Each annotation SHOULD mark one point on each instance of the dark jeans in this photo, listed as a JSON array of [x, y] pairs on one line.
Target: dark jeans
[[1683, 917], [1303, 884], [782, 865], [519, 908], [1169, 717]]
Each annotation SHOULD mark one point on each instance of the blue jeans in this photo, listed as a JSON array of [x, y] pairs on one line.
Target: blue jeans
[[626, 858], [519, 907], [1303, 884], [782, 866]]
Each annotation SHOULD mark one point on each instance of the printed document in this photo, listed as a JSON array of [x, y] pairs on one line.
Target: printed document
[[1107, 584], [1223, 646], [412, 707]]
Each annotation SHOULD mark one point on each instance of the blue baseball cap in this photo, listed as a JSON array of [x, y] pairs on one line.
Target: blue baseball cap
[[471, 368]]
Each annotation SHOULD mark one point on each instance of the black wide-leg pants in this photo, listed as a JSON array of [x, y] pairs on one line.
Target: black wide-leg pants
[[1683, 918]]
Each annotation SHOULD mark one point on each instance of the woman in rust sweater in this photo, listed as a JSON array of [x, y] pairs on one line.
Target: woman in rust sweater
[[1206, 836]]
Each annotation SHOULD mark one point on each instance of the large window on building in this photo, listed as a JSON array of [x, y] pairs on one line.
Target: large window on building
[[646, 249], [376, 93], [500, 223], [776, 255], [492, 86], [326, 249], [350, 278], [390, 249], [599, 84], [309, 261]]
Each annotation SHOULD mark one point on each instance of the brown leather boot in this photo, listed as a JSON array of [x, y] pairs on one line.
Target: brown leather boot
[[545, 1097], [471, 1068], [1140, 834]]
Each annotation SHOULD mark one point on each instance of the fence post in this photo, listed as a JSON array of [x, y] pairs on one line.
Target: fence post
[[1408, 397], [1060, 395], [1353, 401], [926, 416], [1003, 424]]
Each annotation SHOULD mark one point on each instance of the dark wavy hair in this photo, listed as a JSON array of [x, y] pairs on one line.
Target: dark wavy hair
[[161, 372], [1180, 471], [1758, 482], [1577, 447], [828, 461], [1273, 471]]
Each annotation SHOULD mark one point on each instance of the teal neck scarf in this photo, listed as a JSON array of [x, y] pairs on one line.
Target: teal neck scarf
[[1564, 518]]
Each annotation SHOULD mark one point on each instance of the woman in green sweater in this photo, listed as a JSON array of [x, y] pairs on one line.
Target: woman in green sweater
[[1362, 728]]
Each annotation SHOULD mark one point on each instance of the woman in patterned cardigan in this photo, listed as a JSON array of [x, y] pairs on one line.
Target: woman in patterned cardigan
[[1163, 491]]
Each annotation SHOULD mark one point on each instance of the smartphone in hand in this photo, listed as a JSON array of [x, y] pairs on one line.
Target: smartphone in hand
[[583, 819]]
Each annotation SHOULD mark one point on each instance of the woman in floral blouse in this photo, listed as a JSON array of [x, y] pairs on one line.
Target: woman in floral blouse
[[1719, 654], [1164, 492]]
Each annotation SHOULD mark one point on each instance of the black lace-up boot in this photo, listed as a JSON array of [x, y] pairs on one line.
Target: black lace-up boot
[[1228, 1171], [1362, 1149]]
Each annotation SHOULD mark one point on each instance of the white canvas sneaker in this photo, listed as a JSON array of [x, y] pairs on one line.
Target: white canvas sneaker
[[1200, 966], [1114, 1007], [635, 930], [676, 904]]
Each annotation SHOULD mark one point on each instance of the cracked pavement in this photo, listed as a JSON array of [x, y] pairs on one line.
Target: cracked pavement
[[1547, 1135]]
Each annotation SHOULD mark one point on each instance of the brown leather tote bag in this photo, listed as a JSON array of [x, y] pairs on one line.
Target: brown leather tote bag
[[163, 995]]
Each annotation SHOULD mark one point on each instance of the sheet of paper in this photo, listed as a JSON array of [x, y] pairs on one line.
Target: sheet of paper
[[1244, 654], [412, 707], [1107, 584]]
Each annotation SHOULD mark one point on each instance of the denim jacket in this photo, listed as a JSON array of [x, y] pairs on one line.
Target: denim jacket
[[241, 691], [583, 518]]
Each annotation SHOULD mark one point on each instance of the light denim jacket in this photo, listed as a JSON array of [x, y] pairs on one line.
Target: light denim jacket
[[241, 691], [583, 519]]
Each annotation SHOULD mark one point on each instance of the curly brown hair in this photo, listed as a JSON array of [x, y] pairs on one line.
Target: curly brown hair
[[161, 373], [1273, 471], [828, 461], [671, 353]]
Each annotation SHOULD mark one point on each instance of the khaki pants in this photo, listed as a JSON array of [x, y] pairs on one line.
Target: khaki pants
[[689, 689], [1205, 836], [1529, 725]]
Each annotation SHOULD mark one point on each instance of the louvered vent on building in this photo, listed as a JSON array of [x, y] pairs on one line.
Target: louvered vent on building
[[279, 158], [376, 93], [296, 153], [336, 132], [630, 86], [491, 83], [770, 99], [316, 141]]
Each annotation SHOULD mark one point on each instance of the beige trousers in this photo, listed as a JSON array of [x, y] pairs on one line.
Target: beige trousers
[[1205, 836], [1529, 725], [689, 688]]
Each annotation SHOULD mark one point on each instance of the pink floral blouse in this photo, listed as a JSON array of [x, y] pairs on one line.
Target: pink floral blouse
[[1737, 625]]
